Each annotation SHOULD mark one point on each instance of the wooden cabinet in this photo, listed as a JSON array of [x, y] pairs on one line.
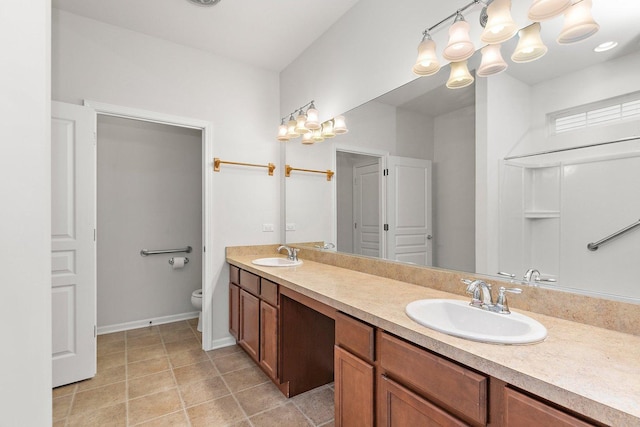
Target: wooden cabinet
[[249, 337], [354, 390], [234, 310], [269, 339]]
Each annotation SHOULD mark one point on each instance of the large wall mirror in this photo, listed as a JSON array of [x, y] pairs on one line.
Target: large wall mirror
[[515, 174]]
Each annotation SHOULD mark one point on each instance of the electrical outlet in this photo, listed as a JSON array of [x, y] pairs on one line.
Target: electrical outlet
[[267, 227], [291, 226]]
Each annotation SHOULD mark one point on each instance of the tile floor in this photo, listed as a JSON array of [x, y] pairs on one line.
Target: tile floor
[[159, 376]]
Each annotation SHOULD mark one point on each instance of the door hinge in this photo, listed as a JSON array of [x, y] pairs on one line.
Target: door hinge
[[386, 227], [385, 172], [204, 249], [355, 225]]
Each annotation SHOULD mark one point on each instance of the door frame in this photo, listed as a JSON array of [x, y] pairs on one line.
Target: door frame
[[207, 187], [382, 155]]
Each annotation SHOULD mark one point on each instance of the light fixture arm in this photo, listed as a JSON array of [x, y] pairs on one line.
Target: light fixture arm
[[455, 14], [301, 109]]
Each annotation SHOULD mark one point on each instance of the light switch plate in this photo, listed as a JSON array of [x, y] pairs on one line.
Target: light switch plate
[[291, 226], [267, 227]]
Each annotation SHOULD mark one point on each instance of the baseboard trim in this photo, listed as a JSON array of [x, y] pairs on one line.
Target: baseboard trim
[[222, 342], [148, 322]]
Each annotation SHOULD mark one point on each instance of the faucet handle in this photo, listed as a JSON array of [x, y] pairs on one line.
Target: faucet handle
[[294, 254], [505, 274], [501, 303]]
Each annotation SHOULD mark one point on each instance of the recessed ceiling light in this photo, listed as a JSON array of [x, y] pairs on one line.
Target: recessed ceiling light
[[205, 2], [603, 47]]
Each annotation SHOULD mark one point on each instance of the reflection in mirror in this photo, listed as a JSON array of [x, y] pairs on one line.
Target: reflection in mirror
[[511, 190]]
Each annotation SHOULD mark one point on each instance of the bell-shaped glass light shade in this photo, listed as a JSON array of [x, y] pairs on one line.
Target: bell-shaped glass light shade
[[300, 121], [291, 128], [530, 46], [500, 25], [492, 61], [578, 23], [283, 132], [317, 135], [460, 76], [339, 125], [307, 138], [312, 122], [427, 63], [460, 46], [541, 10], [327, 129]]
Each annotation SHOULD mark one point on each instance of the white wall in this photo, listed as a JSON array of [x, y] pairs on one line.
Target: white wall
[[149, 196], [414, 134], [454, 190], [25, 217], [96, 61]]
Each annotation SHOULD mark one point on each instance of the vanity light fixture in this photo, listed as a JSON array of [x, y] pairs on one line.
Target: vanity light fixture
[[460, 46], [312, 122], [339, 125], [327, 129], [530, 46], [317, 135], [307, 124], [603, 47], [307, 138], [460, 76], [283, 132], [427, 63], [578, 23], [291, 127], [541, 10], [492, 61], [500, 26], [300, 123]]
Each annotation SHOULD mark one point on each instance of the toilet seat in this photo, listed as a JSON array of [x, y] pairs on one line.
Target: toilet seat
[[197, 294]]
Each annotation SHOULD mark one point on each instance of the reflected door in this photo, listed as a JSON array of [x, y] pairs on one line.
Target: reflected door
[[366, 207], [409, 214], [73, 246]]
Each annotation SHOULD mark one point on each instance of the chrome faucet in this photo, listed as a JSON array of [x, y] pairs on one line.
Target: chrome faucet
[[533, 275], [481, 296], [292, 253]]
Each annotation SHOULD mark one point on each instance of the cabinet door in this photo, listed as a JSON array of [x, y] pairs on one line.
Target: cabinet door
[[524, 411], [249, 323], [354, 392], [269, 339], [399, 407], [234, 310]]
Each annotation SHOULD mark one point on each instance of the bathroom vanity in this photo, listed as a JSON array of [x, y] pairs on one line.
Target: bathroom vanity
[[316, 323]]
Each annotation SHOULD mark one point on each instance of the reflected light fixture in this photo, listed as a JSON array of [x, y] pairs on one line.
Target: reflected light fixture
[[300, 121], [307, 138], [492, 61], [541, 10], [339, 125], [530, 46], [283, 132], [327, 129], [500, 25], [578, 23], [291, 127], [460, 76], [427, 63], [313, 122], [317, 135], [460, 46]]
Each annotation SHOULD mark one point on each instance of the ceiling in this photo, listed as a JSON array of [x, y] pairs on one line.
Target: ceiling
[[268, 34]]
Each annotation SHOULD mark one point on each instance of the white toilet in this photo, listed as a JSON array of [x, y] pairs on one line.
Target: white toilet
[[196, 300]]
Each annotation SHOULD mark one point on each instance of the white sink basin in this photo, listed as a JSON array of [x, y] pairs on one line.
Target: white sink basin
[[276, 262], [458, 318]]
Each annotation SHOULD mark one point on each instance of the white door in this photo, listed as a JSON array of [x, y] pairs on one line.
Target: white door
[[409, 210], [73, 246], [366, 206]]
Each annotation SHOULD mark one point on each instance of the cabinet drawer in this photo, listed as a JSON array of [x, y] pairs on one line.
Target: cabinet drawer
[[456, 388], [524, 411], [234, 274], [269, 291], [355, 336], [250, 282]]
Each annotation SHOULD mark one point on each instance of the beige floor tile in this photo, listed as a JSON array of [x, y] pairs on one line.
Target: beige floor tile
[[233, 362], [196, 372], [64, 390], [177, 419], [110, 416], [224, 351], [61, 406], [188, 357], [286, 415], [143, 332], [147, 367], [111, 360], [174, 326], [193, 322], [203, 391], [245, 378], [110, 347], [59, 423], [317, 405], [260, 398], [177, 335], [113, 337], [190, 343], [96, 398], [329, 424], [220, 412], [103, 377], [144, 353], [153, 406], [143, 341], [150, 384]]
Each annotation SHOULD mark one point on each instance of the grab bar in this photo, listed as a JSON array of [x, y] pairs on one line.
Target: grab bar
[[145, 252], [594, 246]]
